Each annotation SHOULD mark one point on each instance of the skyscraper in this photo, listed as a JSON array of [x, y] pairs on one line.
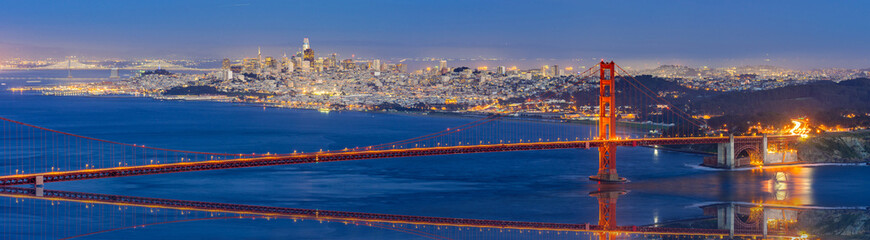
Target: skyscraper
[[348, 64], [308, 55], [556, 71], [285, 61], [501, 70], [442, 65], [376, 64], [307, 52], [270, 63], [334, 60]]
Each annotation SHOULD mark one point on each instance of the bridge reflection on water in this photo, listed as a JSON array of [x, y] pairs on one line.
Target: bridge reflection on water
[[92, 214]]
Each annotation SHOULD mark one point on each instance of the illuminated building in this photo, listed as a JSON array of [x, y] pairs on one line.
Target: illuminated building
[[317, 65], [226, 64], [289, 65], [376, 65], [226, 74], [330, 62], [501, 70], [297, 60], [556, 71], [305, 66], [333, 60], [251, 64], [307, 52], [442, 65], [348, 64], [259, 55], [271, 62], [285, 61], [236, 69], [308, 55], [402, 68]]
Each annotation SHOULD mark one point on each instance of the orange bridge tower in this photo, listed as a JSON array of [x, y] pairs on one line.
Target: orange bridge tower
[[607, 124]]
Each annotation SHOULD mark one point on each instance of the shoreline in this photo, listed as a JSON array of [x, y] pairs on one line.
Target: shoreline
[[226, 99]]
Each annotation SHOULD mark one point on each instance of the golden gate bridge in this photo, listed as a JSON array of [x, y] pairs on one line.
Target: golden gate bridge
[[63, 156]]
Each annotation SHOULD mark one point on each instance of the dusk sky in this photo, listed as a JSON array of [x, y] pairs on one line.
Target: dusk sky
[[802, 34]]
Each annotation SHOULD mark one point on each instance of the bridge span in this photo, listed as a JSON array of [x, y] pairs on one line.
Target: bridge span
[[362, 154]]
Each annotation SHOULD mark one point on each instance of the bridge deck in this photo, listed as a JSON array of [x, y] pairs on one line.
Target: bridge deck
[[358, 155]]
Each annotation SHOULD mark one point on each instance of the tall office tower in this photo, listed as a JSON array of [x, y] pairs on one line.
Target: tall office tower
[[290, 65], [271, 62], [556, 71], [228, 74], [306, 66], [348, 64], [305, 45], [259, 55], [545, 70], [442, 65], [284, 61], [298, 61], [309, 55], [376, 65], [317, 65], [501, 70], [334, 60], [226, 64]]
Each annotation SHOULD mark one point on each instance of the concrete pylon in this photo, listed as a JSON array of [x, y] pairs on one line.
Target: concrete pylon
[[729, 160], [38, 185], [725, 153], [763, 149]]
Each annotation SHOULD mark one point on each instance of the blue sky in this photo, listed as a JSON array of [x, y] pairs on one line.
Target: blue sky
[[788, 33]]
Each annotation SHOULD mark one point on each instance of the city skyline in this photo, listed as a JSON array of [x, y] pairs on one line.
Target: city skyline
[[798, 35], [452, 119]]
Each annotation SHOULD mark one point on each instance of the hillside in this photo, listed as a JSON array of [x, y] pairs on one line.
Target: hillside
[[845, 103]]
